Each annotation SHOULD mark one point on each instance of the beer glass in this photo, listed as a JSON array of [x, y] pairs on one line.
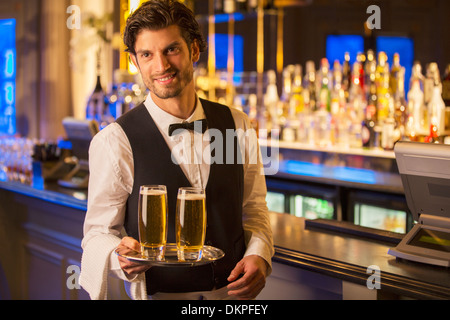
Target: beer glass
[[190, 223], [153, 221]]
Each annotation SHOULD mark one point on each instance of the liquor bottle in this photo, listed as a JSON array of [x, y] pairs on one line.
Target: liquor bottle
[[436, 106], [370, 66], [338, 100], [368, 129], [271, 100], [361, 58], [383, 89], [325, 93], [310, 86], [400, 112], [253, 111], [357, 101], [417, 112], [428, 83], [346, 74], [446, 86], [395, 69], [297, 90]]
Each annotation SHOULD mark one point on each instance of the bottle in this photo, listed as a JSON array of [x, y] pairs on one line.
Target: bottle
[[417, 112], [368, 130], [97, 102], [395, 69], [271, 100], [346, 74], [436, 106], [446, 86], [383, 89], [310, 86], [370, 66], [297, 90], [337, 91], [253, 111], [357, 99], [400, 111], [325, 93]]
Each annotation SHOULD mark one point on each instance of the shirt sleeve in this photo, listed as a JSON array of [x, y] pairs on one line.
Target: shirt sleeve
[[110, 183], [256, 222]]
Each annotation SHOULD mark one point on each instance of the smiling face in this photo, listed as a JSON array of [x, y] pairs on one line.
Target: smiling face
[[165, 62]]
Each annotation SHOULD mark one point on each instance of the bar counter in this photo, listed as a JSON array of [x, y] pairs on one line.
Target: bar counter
[[41, 232]]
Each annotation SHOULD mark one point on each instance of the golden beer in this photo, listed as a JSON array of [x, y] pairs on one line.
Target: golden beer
[[190, 223], [153, 221]]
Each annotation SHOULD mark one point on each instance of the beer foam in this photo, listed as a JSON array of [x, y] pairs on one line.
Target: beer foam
[[152, 192], [190, 196]]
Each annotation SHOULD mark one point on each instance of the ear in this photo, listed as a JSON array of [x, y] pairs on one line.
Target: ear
[[195, 49], [134, 60]]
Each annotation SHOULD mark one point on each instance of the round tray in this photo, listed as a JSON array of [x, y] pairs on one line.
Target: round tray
[[210, 254]]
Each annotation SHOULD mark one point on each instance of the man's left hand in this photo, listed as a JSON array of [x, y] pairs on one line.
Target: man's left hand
[[254, 271]]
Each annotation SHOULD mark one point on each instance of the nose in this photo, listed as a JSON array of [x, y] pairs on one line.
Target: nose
[[161, 63]]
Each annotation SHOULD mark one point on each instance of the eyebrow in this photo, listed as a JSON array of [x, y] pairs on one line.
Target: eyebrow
[[173, 44]]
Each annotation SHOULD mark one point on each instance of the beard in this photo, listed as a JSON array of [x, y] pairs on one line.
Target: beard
[[174, 89]]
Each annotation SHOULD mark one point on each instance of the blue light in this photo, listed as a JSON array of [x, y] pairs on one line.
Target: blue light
[[8, 58], [9, 93], [222, 52], [338, 45], [10, 67], [319, 170]]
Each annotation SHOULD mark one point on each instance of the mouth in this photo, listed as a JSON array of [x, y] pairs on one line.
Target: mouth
[[166, 78]]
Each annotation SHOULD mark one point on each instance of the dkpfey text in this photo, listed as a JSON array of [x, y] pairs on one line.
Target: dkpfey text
[[230, 309]]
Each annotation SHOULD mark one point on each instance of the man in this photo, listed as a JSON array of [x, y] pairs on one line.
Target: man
[[165, 42]]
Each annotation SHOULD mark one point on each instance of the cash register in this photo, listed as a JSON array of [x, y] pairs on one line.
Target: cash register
[[425, 172], [80, 134]]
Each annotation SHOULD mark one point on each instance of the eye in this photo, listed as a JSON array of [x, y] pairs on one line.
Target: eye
[[145, 55], [173, 50]]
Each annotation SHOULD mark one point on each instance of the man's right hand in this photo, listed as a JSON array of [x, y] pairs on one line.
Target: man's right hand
[[129, 267]]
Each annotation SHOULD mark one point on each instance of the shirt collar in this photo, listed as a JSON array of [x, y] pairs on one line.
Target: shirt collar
[[164, 119]]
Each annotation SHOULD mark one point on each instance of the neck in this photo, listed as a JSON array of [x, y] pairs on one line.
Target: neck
[[181, 106]]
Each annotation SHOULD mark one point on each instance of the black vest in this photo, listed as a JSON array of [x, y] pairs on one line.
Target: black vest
[[224, 198]]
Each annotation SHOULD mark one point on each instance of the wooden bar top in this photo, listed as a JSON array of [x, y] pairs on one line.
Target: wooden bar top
[[347, 257]]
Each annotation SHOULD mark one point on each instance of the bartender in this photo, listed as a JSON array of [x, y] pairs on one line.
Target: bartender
[[164, 42]]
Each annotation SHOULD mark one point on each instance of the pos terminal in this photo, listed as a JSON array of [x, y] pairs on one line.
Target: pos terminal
[[80, 134], [425, 172]]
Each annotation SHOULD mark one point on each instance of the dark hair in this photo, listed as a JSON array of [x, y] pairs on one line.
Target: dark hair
[[160, 14]]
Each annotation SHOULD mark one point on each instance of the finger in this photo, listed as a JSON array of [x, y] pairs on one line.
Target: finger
[[236, 272], [249, 291], [246, 279], [131, 267], [131, 243]]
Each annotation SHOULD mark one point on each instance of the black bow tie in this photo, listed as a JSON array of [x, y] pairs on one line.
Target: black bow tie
[[199, 126]]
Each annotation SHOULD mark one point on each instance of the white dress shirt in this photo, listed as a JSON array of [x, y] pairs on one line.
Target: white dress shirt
[[111, 181]]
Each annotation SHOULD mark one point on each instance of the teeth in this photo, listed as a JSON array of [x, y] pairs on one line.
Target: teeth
[[166, 78]]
